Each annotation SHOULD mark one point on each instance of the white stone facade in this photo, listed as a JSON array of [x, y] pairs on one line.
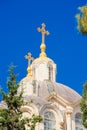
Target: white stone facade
[[44, 70], [56, 102]]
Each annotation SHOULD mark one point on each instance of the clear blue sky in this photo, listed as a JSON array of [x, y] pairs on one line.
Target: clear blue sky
[[19, 20]]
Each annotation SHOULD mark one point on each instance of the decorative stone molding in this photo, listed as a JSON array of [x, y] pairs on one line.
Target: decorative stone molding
[[69, 111], [61, 125]]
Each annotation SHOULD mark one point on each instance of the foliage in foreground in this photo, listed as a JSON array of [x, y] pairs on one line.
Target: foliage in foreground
[[11, 116], [83, 105], [82, 20]]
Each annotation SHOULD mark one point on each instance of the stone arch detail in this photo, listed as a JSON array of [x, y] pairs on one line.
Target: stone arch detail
[[55, 111]]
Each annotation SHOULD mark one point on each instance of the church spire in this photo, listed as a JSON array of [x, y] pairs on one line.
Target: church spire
[[43, 45], [30, 59]]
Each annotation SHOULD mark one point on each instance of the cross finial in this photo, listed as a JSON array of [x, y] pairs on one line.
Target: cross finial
[[43, 46], [29, 58], [44, 32]]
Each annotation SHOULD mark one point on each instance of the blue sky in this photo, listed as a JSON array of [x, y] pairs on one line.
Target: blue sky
[[19, 20]]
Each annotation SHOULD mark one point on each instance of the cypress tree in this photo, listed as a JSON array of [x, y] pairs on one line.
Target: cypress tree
[[83, 105], [11, 117]]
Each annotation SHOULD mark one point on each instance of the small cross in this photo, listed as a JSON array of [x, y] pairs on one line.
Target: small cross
[[29, 58], [43, 31]]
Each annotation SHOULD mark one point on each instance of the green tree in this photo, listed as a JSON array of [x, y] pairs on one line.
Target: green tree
[[82, 20], [83, 105], [11, 117]]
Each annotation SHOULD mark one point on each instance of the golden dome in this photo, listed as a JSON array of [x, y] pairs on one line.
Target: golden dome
[[43, 48]]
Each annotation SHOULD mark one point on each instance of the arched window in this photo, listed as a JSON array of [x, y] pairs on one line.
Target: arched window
[[34, 86], [50, 73], [50, 67], [78, 122], [49, 121]]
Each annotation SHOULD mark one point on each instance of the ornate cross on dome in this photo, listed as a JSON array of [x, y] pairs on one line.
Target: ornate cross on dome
[[44, 32], [43, 46], [29, 58]]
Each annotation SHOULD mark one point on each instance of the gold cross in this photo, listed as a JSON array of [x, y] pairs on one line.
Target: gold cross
[[29, 58], [44, 32]]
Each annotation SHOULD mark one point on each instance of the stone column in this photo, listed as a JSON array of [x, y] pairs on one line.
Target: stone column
[[69, 111]]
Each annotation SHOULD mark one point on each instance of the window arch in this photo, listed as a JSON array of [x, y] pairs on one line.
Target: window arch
[[49, 121], [78, 122]]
